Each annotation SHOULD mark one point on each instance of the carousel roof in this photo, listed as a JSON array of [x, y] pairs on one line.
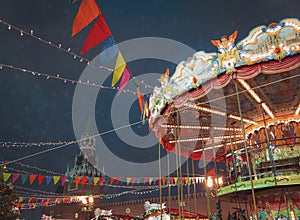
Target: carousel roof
[[200, 102]]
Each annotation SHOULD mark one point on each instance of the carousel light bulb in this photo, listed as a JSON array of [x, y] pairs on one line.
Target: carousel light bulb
[[220, 181], [91, 199], [209, 182], [84, 201]]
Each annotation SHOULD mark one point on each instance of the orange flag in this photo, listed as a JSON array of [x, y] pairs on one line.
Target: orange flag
[[140, 98], [87, 12]]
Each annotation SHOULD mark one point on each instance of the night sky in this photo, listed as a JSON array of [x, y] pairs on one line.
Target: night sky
[[34, 109]]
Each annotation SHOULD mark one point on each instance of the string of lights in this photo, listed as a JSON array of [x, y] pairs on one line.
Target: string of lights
[[43, 194], [37, 168], [76, 56], [32, 144], [139, 122]]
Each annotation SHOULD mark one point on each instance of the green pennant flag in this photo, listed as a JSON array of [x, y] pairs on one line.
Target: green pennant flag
[[24, 178], [70, 179], [107, 180]]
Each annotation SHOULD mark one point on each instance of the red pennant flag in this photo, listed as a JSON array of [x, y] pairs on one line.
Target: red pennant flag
[[32, 178], [125, 78], [98, 33], [40, 179], [140, 98], [15, 176], [87, 12], [83, 180], [118, 180]]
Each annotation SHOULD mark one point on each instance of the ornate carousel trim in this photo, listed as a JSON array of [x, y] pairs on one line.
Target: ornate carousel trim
[[265, 50]]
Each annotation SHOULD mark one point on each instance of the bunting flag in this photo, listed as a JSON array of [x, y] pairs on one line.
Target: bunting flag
[[90, 179], [96, 180], [70, 179], [32, 178], [117, 180], [63, 179], [87, 12], [111, 181], [150, 180], [133, 180], [24, 178], [128, 180], [175, 180], [83, 180], [119, 69], [145, 112], [146, 180], [140, 98], [40, 179], [56, 179], [125, 78], [101, 180], [48, 179], [77, 180], [15, 176], [109, 51], [98, 33], [6, 176]]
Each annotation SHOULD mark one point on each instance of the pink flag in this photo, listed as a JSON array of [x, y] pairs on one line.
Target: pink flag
[[15, 176], [63, 179], [124, 80]]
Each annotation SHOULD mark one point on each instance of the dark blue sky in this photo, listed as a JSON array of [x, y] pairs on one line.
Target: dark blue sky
[[34, 109]]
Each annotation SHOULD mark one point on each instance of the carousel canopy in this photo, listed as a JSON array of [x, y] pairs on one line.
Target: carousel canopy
[[219, 99]]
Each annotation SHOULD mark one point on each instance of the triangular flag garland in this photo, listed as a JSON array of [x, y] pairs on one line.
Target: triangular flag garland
[[98, 180], [87, 12], [100, 32]]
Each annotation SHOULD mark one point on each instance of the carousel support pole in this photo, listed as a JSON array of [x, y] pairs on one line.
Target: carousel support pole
[[169, 184], [189, 190], [246, 149], [194, 183], [268, 146], [178, 165], [207, 193], [160, 187], [218, 204], [235, 173]]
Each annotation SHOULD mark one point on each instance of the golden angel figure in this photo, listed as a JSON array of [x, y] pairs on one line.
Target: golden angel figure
[[227, 52]]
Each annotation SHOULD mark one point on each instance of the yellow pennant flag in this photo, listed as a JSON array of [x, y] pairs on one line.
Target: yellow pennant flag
[[56, 179], [150, 180], [96, 180], [128, 180], [175, 180], [119, 69], [6, 176]]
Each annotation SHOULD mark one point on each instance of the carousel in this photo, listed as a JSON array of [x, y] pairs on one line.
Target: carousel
[[238, 109]]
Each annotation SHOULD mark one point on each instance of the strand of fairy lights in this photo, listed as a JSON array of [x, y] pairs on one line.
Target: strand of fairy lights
[[32, 144], [39, 169], [59, 47], [68, 144], [139, 122], [22, 32]]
